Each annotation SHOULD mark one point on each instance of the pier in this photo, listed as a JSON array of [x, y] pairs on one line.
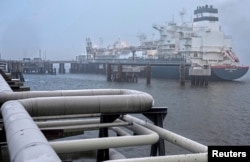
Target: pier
[[40, 114], [118, 70], [127, 73], [199, 75]]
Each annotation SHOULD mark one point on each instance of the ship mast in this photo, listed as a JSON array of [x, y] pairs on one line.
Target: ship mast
[[182, 13]]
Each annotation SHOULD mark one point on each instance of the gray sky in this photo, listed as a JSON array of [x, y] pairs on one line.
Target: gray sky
[[59, 27]]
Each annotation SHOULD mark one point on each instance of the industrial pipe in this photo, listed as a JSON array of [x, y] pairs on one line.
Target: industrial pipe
[[172, 137], [198, 157], [4, 86], [119, 131], [78, 101], [7, 94], [55, 123], [24, 139], [87, 126], [146, 137], [114, 155], [129, 103], [60, 117]]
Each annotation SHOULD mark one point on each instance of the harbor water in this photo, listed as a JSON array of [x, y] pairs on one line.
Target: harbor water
[[214, 115]]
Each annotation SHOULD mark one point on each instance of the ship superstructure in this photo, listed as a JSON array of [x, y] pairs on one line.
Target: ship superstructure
[[201, 43]]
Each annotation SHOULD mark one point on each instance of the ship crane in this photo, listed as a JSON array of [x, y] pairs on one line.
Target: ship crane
[[182, 13], [230, 54], [159, 28]]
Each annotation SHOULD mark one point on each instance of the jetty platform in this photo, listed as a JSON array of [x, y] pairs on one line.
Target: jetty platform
[[45, 126], [120, 70]]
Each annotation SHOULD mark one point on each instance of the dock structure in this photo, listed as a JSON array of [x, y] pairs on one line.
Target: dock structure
[[61, 68], [37, 66], [123, 73], [15, 68], [182, 74], [26, 128], [103, 109], [199, 75], [127, 73], [16, 85], [148, 73], [90, 67], [121, 70]]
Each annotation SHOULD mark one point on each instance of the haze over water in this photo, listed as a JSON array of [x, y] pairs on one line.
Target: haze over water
[[59, 28]]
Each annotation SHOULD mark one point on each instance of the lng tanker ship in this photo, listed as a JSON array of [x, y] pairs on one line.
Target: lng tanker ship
[[200, 45]]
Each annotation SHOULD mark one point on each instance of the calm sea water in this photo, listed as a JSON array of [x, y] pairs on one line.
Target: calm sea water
[[218, 114]]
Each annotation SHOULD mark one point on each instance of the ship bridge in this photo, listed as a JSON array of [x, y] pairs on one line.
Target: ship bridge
[[206, 13]]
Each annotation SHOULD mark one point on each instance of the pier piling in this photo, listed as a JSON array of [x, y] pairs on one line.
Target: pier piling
[[199, 75], [122, 73], [182, 74], [16, 70], [109, 72], [61, 68], [148, 74]]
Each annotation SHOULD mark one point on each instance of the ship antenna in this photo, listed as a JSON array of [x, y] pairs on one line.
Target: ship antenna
[[142, 37], [101, 42], [173, 18], [182, 13]]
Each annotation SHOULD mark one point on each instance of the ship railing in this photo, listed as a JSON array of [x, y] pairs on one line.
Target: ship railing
[[140, 61]]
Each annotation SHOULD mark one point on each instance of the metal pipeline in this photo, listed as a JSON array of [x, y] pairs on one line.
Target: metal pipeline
[[172, 137], [80, 122], [65, 102], [55, 123], [21, 129], [4, 86], [199, 157], [146, 137], [119, 131], [25, 140], [128, 103], [87, 126], [7, 94], [114, 155], [65, 117]]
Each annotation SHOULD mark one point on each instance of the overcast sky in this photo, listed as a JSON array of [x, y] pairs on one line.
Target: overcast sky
[[59, 27]]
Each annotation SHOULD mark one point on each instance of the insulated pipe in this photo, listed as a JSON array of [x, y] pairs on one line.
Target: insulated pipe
[[119, 131], [63, 123], [55, 123], [25, 140], [4, 86], [96, 100], [199, 157], [114, 155], [172, 137], [126, 103], [78, 122], [60, 117], [79, 101], [147, 137], [7, 93], [87, 126], [10, 95]]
